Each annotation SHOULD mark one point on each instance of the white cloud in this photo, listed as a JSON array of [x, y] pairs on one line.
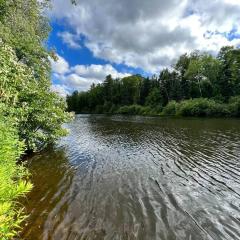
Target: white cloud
[[61, 90], [150, 34], [97, 72], [80, 77], [60, 66], [70, 39]]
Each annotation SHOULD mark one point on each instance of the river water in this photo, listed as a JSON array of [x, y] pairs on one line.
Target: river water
[[116, 177]]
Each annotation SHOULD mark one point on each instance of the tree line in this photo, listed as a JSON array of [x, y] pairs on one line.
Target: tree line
[[201, 77]]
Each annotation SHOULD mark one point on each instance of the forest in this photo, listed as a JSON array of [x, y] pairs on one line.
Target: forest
[[199, 84]]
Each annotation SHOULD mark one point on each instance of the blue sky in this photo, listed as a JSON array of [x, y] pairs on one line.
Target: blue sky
[[126, 37], [82, 55]]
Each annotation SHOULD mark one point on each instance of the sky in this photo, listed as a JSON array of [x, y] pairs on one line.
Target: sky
[[122, 37]]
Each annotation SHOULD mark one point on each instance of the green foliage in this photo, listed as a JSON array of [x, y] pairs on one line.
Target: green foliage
[[229, 80], [200, 107], [170, 109], [154, 98], [31, 115], [234, 106], [13, 180], [25, 74], [202, 73], [134, 110], [38, 112], [198, 85]]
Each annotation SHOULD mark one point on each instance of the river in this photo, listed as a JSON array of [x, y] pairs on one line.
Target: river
[[143, 178]]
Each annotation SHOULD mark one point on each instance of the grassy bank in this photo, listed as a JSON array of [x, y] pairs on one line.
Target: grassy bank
[[13, 181]]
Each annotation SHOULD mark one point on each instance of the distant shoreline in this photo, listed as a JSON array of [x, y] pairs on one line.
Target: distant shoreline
[[199, 107]]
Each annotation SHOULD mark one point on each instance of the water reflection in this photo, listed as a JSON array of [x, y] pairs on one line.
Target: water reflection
[[138, 178]]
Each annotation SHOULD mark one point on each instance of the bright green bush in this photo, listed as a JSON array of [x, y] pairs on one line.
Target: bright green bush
[[234, 106], [170, 109], [13, 180], [135, 110], [194, 107], [129, 110], [38, 112], [200, 107]]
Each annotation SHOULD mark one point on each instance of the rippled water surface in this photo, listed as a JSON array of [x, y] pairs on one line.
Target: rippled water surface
[[130, 178]]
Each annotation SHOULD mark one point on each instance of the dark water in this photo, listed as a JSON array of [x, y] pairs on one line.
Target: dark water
[[138, 178]]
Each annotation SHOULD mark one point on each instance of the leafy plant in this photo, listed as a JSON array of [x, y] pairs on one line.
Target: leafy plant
[[31, 116], [170, 109], [14, 179]]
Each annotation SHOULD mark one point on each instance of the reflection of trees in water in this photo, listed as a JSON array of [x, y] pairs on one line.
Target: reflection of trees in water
[[51, 176], [96, 199], [187, 135]]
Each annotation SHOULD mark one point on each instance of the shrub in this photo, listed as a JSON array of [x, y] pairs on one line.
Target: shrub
[[147, 111], [129, 110], [195, 107], [135, 110], [39, 113], [13, 180], [170, 109], [234, 106], [200, 107]]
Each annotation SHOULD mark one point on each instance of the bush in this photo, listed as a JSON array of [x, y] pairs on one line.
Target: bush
[[13, 180], [135, 110], [198, 107], [234, 106], [201, 107], [130, 110], [39, 113], [170, 109], [194, 107]]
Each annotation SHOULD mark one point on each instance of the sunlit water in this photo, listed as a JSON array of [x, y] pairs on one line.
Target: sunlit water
[[130, 178]]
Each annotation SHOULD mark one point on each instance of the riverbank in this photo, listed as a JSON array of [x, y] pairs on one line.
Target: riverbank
[[198, 107]]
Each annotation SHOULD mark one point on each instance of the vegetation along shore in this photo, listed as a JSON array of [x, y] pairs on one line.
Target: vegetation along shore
[[199, 84], [31, 116]]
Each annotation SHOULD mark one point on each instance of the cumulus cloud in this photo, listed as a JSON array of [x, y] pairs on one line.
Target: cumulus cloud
[[60, 89], [97, 72], [70, 39], [80, 77], [60, 66], [150, 34]]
